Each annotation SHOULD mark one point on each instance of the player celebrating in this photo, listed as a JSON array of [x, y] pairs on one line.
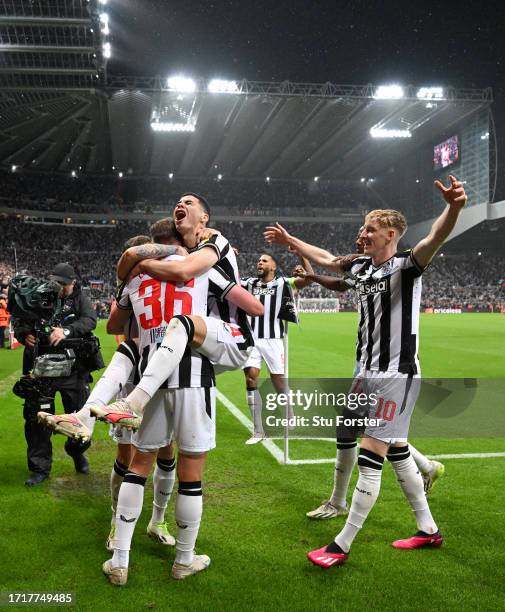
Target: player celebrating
[[184, 408], [224, 337], [336, 505], [268, 330], [389, 289]]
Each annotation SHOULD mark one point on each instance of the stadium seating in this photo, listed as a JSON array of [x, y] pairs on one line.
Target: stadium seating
[[456, 280]]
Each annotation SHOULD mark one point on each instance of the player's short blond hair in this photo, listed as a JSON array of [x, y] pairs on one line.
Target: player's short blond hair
[[388, 218]]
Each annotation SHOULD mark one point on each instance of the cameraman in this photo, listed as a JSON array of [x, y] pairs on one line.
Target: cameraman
[[78, 319]]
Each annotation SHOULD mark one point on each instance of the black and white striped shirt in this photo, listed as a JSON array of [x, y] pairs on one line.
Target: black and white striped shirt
[[218, 307], [270, 295], [155, 302], [389, 297]]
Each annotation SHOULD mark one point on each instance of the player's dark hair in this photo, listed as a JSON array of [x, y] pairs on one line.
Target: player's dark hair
[[164, 231], [136, 241], [272, 257], [201, 199]]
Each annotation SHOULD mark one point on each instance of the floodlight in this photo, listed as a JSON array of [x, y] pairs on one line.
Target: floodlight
[[485, 136], [104, 20], [181, 83], [363, 179], [222, 86], [219, 177], [120, 175], [14, 168], [267, 179], [106, 50], [316, 178], [430, 93], [389, 92], [73, 174], [170, 175], [102, 1], [160, 126], [385, 133]]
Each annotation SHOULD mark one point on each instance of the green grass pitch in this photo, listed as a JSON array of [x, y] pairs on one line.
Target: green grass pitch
[[254, 526]]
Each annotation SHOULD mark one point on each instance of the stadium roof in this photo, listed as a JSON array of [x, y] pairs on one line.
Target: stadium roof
[[281, 130]]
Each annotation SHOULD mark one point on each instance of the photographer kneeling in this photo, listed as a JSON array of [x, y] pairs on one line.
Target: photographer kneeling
[[60, 352]]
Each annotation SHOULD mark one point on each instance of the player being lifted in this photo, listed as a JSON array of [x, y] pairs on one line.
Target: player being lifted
[[224, 337], [183, 408], [115, 377], [272, 290], [336, 505], [389, 288]]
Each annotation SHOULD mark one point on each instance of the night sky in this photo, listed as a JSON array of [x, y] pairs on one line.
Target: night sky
[[357, 42]]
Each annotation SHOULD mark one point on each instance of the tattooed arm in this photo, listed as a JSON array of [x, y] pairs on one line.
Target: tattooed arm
[[133, 255]]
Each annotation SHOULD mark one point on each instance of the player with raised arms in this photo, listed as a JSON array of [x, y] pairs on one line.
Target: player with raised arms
[[336, 504], [389, 288]]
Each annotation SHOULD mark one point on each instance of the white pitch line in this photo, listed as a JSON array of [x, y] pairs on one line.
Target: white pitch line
[[271, 447], [278, 455], [8, 381], [467, 456]]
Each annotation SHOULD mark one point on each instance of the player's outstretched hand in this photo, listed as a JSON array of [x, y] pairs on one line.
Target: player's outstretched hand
[[277, 235], [455, 194]]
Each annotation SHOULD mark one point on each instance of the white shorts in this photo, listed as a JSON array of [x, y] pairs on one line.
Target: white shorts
[[222, 345], [272, 351], [187, 416], [392, 397]]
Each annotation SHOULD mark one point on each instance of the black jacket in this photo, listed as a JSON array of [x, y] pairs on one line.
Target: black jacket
[[80, 325]]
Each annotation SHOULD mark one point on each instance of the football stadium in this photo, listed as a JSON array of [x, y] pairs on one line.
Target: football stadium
[[216, 299]]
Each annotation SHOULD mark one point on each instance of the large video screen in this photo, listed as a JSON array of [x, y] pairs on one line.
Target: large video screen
[[446, 153]]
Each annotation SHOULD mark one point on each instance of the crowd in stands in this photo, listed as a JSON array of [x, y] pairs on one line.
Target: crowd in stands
[[52, 192], [454, 280], [59, 193]]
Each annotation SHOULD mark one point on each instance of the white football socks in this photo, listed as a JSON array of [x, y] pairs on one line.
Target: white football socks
[[111, 382], [346, 460], [364, 497], [116, 479], [188, 514], [255, 406], [163, 485], [412, 485], [422, 462], [161, 365], [129, 507]]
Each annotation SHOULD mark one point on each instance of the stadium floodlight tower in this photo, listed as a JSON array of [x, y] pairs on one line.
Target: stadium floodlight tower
[[53, 45], [389, 92], [222, 86]]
